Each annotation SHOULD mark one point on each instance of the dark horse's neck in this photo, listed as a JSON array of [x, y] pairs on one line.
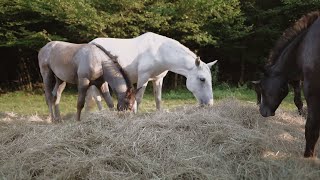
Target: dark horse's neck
[[287, 63], [284, 58]]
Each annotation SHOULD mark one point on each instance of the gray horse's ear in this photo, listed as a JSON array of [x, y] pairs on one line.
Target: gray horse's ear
[[212, 63], [130, 91], [137, 90], [197, 61]]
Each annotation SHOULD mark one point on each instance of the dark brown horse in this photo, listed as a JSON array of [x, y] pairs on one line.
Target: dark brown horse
[[297, 53], [84, 65]]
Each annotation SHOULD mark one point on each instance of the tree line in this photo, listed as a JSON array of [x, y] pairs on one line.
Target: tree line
[[239, 33]]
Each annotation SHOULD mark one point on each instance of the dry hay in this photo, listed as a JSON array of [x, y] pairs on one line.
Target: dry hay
[[228, 141]]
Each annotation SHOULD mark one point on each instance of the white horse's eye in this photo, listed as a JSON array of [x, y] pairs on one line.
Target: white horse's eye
[[202, 79]]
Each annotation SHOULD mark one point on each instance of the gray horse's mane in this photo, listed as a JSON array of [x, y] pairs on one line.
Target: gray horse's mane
[[116, 62], [290, 34]]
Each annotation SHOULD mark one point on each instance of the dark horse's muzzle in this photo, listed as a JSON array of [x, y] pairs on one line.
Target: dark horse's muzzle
[[266, 112]]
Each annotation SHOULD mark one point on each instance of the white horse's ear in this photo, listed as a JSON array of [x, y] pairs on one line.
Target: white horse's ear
[[212, 63], [197, 61]]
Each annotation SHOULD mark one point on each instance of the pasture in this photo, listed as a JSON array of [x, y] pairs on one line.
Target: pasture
[[230, 140]]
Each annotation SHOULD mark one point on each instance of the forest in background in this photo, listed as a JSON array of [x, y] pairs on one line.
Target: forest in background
[[239, 33]]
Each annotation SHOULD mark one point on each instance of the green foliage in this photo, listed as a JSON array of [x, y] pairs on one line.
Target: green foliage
[[194, 22], [215, 74], [271, 18], [32, 23], [242, 31]]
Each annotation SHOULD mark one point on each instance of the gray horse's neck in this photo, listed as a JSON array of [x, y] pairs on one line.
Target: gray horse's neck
[[113, 75]]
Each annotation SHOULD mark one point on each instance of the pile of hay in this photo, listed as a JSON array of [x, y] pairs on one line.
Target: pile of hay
[[228, 141]]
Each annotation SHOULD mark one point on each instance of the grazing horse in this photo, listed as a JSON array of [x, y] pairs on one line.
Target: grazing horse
[[84, 65], [296, 85], [150, 56], [297, 53]]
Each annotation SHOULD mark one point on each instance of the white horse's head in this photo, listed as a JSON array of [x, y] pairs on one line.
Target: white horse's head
[[199, 82]]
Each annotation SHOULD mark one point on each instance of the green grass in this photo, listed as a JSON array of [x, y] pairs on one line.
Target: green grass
[[31, 103]]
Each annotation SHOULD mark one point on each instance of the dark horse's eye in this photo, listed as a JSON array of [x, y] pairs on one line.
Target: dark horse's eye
[[202, 79]]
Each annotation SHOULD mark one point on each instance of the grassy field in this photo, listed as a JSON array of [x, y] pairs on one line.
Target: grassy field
[[33, 103]]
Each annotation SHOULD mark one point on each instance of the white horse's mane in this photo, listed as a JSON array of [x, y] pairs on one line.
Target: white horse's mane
[[151, 35]]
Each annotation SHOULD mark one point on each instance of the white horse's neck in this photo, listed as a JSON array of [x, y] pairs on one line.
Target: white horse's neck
[[177, 57]]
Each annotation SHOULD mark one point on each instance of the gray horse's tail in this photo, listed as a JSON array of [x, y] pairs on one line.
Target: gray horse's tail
[[115, 60]]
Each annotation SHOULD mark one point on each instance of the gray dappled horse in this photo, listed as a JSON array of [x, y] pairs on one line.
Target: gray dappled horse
[[297, 53], [84, 65]]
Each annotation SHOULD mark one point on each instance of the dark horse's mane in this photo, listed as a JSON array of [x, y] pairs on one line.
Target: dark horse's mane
[[116, 62], [291, 33]]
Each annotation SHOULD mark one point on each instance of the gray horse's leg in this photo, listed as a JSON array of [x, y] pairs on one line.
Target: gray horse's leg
[[157, 91], [83, 86], [58, 89], [104, 90], [48, 78], [297, 95]]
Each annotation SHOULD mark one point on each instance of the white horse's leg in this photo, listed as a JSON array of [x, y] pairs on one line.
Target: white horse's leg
[[89, 100], [83, 85], [104, 90], [142, 83], [97, 97], [157, 91], [58, 89], [93, 96]]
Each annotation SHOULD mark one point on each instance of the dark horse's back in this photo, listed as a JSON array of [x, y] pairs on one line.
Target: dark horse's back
[[310, 54]]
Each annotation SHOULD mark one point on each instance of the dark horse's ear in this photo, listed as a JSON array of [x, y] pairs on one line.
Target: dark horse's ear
[[197, 61], [256, 85], [256, 82], [266, 69]]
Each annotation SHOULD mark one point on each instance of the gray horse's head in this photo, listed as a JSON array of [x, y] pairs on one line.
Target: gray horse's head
[[273, 88], [128, 103]]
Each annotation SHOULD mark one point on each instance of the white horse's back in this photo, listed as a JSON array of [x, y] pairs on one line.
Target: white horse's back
[[128, 50]]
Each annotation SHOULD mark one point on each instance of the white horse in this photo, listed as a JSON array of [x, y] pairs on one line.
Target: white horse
[[150, 56]]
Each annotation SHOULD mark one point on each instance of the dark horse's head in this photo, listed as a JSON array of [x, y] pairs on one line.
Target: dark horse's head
[[272, 89]]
